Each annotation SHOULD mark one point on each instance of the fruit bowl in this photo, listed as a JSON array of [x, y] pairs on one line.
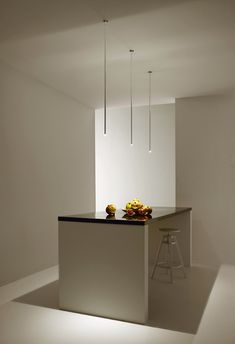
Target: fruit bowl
[[137, 208], [137, 217]]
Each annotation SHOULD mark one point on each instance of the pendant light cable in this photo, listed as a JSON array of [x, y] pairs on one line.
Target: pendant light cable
[[105, 21], [150, 115], [131, 92]]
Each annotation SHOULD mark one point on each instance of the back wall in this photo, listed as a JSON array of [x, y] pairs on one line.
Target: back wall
[[124, 172]]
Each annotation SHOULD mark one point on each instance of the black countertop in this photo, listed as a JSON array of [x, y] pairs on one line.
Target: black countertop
[[121, 218]]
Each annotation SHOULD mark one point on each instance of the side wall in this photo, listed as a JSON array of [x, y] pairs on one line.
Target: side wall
[[47, 169], [124, 171], [205, 174]]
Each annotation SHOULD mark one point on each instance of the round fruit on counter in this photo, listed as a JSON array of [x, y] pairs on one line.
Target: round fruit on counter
[[149, 209], [136, 204], [130, 212], [128, 205], [111, 209]]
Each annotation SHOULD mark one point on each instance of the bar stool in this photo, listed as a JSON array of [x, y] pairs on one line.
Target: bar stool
[[170, 242]]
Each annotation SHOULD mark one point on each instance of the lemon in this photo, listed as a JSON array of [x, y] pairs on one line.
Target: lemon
[[128, 205]]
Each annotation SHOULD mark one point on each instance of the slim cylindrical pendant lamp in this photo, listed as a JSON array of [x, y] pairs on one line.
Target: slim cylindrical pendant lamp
[[150, 116], [131, 92], [105, 21]]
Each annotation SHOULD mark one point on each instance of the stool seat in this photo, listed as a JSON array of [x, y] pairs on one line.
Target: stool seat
[[169, 230], [169, 240]]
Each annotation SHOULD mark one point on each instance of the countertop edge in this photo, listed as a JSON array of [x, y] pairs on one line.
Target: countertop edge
[[68, 218], [115, 222]]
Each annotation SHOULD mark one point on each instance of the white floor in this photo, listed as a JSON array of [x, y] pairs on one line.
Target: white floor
[[27, 324], [178, 306], [35, 318]]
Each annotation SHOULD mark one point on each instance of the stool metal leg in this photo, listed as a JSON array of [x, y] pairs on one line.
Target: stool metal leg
[[170, 258], [170, 244], [166, 258], [157, 258]]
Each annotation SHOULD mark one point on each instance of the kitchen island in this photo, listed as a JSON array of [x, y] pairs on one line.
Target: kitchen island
[[104, 260]]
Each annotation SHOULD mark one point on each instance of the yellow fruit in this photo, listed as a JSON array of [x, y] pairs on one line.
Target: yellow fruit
[[128, 205], [136, 204]]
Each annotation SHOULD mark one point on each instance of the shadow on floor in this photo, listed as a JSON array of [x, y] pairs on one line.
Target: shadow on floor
[[46, 296], [178, 306]]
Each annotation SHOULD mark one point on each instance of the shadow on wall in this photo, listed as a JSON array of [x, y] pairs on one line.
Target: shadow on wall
[[23, 19], [206, 250]]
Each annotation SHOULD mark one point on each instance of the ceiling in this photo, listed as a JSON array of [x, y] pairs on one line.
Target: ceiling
[[188, 44]]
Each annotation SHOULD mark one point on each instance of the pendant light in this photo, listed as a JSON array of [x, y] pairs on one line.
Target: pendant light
[[105, 21], [131, 92], [150, 117]]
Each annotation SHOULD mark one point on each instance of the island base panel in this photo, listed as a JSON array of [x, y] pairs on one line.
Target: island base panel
[[103, 270]]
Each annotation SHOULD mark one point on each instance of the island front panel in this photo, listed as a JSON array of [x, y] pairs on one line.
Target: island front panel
[[103, 270]]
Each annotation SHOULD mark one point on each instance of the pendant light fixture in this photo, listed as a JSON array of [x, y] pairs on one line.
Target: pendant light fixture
[[150, 117], [105, 21], [131, 92]]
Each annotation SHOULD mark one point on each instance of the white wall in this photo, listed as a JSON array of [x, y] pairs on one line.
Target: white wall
[[205, 165], [47, 169], [124, 172]]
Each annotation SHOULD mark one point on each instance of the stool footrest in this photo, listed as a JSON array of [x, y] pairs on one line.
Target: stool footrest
[[166, 266]]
